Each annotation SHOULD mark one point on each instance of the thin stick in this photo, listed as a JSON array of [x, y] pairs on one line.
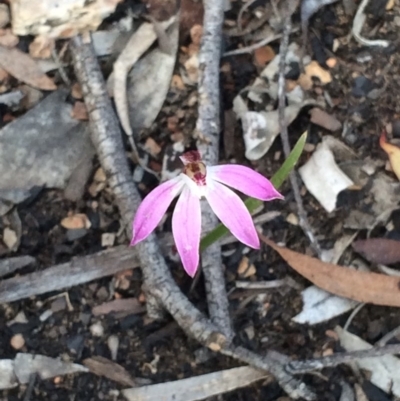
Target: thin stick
[[78, 271], [107, 139], [303, 221], [266, 285], [291, 385], [208, 130], [387, 337], [255, 46], [299, 367]]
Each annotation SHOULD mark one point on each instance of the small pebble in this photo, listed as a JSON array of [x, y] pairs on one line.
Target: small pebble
[[17, 341], [59, 304], [113, 344], [292, 219], [97, 329]]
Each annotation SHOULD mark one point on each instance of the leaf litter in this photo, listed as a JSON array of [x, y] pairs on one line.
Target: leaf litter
[[321, 102], [369, 287]]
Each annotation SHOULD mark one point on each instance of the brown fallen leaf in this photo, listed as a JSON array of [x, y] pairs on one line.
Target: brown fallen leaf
[[21, 66], [42, 47], [393, 152], [7, 38], [76, 221], [378, 250], [315, 70], [361, 286], [324, 119], [101, 366], [76, 91], [263, 55], [79, 111], [131, 305]]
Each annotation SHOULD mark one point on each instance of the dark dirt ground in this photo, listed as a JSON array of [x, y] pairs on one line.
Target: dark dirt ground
[[258, 326]]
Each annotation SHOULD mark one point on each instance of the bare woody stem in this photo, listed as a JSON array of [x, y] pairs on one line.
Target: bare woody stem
[[208, 129]]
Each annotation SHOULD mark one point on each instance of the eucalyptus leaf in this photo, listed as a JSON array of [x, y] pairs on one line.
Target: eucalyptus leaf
[[253, 204]]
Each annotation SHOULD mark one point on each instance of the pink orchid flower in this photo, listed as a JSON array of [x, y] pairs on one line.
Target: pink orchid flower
[[197, 181]]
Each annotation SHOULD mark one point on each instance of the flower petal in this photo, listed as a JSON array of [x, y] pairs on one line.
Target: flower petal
[[233, 213], [186, 228], [153, 208], [245, 180]]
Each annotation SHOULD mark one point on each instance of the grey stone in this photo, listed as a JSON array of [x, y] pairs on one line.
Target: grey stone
[[44, 146]]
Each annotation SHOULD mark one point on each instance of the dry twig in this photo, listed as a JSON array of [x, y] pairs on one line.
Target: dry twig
[[305, 225], [208, 128], [77, 271], [297, 367]]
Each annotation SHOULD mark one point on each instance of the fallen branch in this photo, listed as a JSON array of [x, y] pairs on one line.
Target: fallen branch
[[197, 387], [298, 367], [303, 220], [78, 271], [10, 265], [160, 286], [208, 129]]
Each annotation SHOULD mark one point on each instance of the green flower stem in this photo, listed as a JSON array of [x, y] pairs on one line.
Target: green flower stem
[[253, 204]]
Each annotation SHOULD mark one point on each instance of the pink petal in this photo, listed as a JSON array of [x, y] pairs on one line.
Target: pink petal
[[153, 208], [245, 180], [186, 227], [233, 213]]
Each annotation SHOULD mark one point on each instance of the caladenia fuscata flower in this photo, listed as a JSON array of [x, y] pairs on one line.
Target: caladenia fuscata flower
[[195, 182]]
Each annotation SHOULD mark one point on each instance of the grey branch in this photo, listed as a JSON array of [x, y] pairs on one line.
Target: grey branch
[[78, 271], [298, 367], [208, 129]]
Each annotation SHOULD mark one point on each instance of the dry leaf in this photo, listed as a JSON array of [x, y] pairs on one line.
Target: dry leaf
[[79, 111], [131, 305], [393, 152], [389, 5], [152, 147], [24, 68], [76, 221], [59, 19], [324, 119], [7, 38], [192, 68], [196, 33], [41, 47], [177, 82], [104, 367], [315, 70], [10, 238], [263, 55], [379, 250], [107, 239], [76, 91], [361, 286], [246, 269]]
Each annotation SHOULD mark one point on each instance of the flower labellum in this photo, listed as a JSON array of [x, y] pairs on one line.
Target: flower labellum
[[195, 182]]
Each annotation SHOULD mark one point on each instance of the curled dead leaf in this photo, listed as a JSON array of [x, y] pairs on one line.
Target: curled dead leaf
[[393, 153], [21, 66], [361, 286], [79, 111], [76, 221]]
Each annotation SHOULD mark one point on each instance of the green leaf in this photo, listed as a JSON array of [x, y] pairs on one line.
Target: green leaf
[[253, 204]]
